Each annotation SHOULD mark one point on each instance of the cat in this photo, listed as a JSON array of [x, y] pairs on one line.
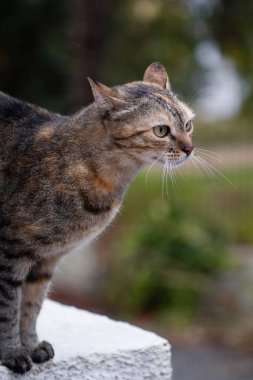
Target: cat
[[62, 181]]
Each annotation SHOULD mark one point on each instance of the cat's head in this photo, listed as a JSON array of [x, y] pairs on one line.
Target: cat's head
[[146, 119]]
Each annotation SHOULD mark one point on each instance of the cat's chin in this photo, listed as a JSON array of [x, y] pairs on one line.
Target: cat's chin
[[182, 160]]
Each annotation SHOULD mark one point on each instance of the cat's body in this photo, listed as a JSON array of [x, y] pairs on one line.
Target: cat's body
[[55, 188], [62, 181]]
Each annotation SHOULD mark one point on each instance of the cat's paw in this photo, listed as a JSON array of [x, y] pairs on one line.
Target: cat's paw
[[18, 360], [43, 352]]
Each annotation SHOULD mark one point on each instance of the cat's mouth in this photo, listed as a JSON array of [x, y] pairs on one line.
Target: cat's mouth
[[174, 162], [182, 160]]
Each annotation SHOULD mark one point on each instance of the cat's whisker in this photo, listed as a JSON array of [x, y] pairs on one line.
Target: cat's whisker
[[193, 97], [205, 165], [177, 169], [216, 171], [207, 170], [196, 167], [172, 176], [209, 155], [151, 166], [163, 174], [167, 174], [210, 151], [203, 170]]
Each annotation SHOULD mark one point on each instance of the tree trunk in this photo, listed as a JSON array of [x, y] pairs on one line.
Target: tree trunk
[[88, 29]]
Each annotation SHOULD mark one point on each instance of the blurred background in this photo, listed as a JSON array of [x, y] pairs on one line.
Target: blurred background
[[179, 263]]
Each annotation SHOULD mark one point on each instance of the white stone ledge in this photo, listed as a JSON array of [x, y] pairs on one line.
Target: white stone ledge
[[92, 347]]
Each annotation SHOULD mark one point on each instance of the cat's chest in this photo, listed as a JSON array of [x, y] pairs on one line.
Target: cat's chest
[[80, 232], [92, 228]]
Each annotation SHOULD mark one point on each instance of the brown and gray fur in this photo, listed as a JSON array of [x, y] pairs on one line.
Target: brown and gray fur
[[62, 181]]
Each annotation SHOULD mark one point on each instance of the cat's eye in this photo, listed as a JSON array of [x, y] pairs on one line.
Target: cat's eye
[[161, 130], [189, 126]]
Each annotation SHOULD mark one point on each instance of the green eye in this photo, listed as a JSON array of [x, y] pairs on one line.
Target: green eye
[[189, 126], [161, 130]]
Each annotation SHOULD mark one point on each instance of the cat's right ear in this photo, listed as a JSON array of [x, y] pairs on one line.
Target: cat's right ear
[[157, 74], [105, 97]]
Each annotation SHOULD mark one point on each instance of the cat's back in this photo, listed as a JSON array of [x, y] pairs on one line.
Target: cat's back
[[19, 122], [17, 116]]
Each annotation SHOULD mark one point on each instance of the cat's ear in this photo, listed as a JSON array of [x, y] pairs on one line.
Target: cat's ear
[[157, 74], [105, 97]]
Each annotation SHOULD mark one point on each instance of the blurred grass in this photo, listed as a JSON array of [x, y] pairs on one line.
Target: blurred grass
[[171, 249], [220, 202], [235, 131]]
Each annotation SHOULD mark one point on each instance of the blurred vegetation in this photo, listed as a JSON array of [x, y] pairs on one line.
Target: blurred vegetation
[[171, 250], [43, 44], [48, 49], [228, 205], [143, 31], [231, 25], [167, 262]]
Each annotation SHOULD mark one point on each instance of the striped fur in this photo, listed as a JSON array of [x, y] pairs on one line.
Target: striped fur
[[62, 180]]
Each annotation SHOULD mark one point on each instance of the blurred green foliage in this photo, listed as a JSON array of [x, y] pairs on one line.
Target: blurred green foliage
[[44, 48], [144, 31], [37, 44], [171, 250], [166, 262], [220, 202]]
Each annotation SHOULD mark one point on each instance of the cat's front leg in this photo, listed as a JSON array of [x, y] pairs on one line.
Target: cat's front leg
[[13, 270], [34, 291]]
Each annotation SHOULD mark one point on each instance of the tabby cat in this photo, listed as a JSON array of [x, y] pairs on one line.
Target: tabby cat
[[62, 181]]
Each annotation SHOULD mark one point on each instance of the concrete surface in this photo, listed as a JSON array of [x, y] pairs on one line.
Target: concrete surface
[[89, 347]]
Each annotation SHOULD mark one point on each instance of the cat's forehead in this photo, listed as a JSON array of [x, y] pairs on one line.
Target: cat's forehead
[[157, 99]]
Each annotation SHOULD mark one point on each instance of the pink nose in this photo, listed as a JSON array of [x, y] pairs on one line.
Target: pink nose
[[187, 149]]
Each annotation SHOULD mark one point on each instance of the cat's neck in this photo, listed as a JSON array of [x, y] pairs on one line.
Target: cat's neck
[[93, 145]]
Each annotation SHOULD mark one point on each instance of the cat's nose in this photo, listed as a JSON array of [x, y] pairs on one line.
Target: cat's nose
[[186, 148]]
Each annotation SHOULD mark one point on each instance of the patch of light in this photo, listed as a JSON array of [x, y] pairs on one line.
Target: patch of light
[[206, 7], [146, 10], [223, 91]]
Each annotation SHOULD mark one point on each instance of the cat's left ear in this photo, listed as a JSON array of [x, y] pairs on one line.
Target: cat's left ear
[[157, 74], [105, 97]]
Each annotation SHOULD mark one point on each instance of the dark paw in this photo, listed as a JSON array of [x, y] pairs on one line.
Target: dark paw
[[43, 352], [18, 360]]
